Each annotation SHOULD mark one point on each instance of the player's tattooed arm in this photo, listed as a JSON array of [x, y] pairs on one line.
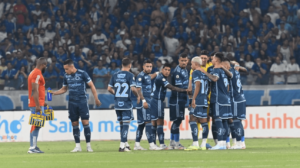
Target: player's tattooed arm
[[197, 89], [171, 87], [135, 92], [111, 90], [227, 72], [139, 90], [211, 77]]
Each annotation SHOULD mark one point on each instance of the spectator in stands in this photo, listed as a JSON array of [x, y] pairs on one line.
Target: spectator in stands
[[8, 75], [286, 51], [101, 76], [2, 68], [98, 38], [292, 70], [37, 48], [61, 56], [260, 72], [21, 78], [113, 68], [170, 42], [19, 61], [278, 71], [21, 12], [51, 77]]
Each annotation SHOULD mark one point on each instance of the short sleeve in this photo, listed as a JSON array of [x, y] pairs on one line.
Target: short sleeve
[[215, 72], [139, 81], [111, 82], [297, 69], [35, 78], [196, 77], [86, 78], [65, 81], [272, 68], [94, 71]]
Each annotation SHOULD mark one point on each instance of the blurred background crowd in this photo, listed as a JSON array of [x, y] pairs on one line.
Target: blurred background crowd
[[262, 35]]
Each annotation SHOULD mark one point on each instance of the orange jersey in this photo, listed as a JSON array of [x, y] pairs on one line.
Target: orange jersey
[[36, 77]]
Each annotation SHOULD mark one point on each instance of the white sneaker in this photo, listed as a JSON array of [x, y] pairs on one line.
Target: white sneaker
[[228, 145], [89, 149], [127, 150], [76, 149], [154, 147], [171, 146], [236, 147], [179, 146], [138, 148], [243, 145], [163, 146]]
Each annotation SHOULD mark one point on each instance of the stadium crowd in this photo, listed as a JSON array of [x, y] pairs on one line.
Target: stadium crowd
[[262, 35]]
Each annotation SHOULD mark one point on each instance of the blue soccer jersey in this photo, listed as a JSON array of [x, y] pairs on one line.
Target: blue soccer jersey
[[237, 93], [179, 78], [198, 76], [219, 89], [159, 87], [122, 82], [143, 81], [77, 86]]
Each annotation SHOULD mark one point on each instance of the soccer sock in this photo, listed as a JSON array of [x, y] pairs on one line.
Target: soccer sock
[[125, 132], [35, 134], [225, 130], [160, 134], [219, 129], [76, 134], [139, 132], [238, 133], [243, 131], [232, 130], [175, 130], [194, 129], [149, 132], [154, 129], [31, 137], [121, 128], [87, 133], [204, 133], [214, 131]]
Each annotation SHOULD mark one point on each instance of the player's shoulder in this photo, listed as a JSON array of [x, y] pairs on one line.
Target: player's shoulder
[[81, 71]]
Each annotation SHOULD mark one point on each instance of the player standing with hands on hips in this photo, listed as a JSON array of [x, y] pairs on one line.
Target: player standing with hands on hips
[[75, 80]]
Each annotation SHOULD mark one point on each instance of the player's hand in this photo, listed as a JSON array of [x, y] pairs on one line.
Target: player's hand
[[200, 69], [145, 105], [98, 103], [138, 100], [189, 89], [50, 91], [38, 109], [193, 104]]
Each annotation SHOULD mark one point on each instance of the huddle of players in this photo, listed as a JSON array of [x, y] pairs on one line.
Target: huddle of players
[[221, 79]]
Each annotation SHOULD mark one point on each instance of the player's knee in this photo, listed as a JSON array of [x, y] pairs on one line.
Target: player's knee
[[85, 122], [75, 123]]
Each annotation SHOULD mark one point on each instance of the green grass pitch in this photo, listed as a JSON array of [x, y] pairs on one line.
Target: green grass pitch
[[259, 153]]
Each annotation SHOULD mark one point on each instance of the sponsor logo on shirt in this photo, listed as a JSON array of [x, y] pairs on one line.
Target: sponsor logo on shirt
[[121, 103], [121, 75]]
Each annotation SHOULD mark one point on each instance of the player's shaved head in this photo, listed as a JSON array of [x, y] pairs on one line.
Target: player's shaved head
[[41, 61], [41, 64]]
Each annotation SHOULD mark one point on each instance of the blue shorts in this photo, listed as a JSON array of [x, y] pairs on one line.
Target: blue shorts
[[124, 115], [199, 112], [77, 110], [239, 110], [157, 109], [32, 109], [218, 111], [143, 115], [177, 111]]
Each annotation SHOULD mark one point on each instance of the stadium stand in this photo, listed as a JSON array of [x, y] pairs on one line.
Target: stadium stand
[[262, 35]]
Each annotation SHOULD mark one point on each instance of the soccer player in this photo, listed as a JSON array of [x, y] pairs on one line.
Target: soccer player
[[198, 112], [75, 80], [220, 100], [121, 84], [36, 96], [143, 85], [206, 65], [238, 103], [157, 107], [179, 78]]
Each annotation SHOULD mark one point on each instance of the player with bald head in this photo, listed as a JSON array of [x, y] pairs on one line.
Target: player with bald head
[[36, 99], [198, 109]]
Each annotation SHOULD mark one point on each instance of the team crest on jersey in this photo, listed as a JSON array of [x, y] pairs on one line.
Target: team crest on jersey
[[140, 79], [77, 78], [177, 76], [121, 75], [163, 79], [133, 78], [121, 103]]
